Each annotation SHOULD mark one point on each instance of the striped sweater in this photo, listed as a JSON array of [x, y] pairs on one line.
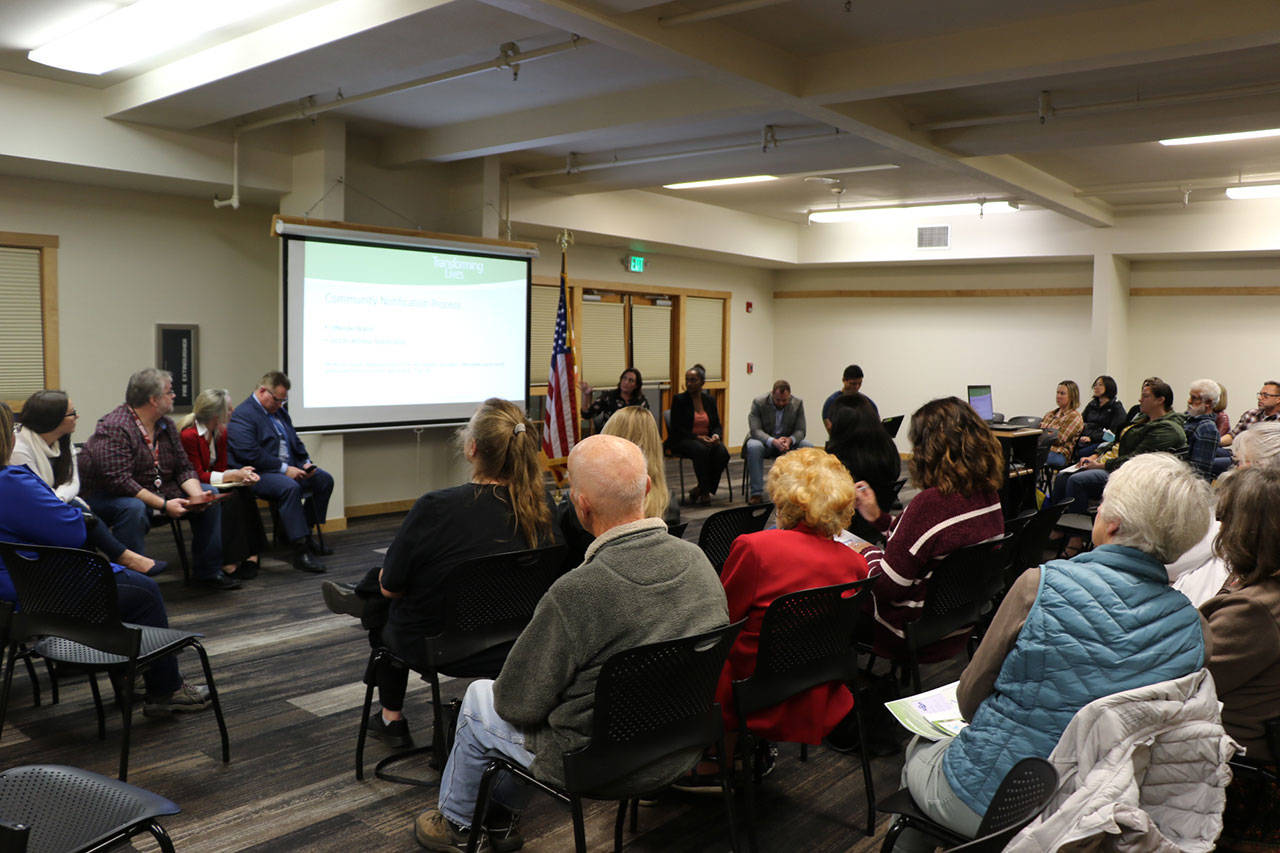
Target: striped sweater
[[931, 527]]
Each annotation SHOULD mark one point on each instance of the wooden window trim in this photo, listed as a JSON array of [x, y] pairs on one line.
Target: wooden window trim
[[47, 244]]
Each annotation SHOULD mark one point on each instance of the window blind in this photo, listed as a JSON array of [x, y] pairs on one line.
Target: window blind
[[704, 335], [542, 332], [601, 332], [651, 342], [21, 324]]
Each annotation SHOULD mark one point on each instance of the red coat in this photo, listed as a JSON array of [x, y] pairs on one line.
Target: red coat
[[197, 448], [761, 567]]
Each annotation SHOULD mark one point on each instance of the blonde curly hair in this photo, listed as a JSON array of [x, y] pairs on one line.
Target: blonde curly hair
[[811, 486]]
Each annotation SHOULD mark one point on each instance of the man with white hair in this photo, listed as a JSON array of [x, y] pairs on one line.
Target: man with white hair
[[1201, 426], [636, 585]]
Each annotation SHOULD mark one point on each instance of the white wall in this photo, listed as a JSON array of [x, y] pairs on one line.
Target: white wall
[[130, 260], [1230, 339], [915, 349]]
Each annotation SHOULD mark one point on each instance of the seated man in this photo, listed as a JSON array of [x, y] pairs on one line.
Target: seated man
[[133, 466], [260, 434], [1268, 410], [1201, 426], [776, 425], [637, 585], [850, 383]]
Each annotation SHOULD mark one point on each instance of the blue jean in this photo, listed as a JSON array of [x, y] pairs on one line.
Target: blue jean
[[922, 775], [481, 735], [130, 520], [1080, 487], [756, 451], [287, 494], [141, 603]]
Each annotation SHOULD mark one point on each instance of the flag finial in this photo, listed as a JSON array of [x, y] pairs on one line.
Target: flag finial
[[565, 239]]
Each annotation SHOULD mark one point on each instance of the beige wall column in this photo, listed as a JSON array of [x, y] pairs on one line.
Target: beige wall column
[[1109, 338], [319, 163]]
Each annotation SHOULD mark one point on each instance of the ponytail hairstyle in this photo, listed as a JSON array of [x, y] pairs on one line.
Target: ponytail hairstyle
[[506, 450], [210, 405], [44, 412]]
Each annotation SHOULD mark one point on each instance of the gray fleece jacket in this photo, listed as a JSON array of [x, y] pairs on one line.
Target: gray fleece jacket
[[637, 585]]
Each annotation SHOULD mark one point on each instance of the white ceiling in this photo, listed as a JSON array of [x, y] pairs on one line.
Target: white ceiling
[[637, 86]]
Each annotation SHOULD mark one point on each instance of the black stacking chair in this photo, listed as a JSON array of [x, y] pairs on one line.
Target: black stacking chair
[[721, 528], [651, 702], [26, 655], [677, 530], [488, 601], [961, 589], [666, 419], [1032, 421], [807, 638], [1030, 543], [48, 808], [68, 600], [1022, 795]]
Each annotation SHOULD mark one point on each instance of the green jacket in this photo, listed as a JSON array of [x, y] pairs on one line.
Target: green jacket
[[1162, 434]]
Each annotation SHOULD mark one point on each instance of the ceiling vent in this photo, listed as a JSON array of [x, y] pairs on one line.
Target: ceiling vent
[[933, 237]]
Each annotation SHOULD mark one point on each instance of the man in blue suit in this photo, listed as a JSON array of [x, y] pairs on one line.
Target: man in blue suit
[[261, 434]]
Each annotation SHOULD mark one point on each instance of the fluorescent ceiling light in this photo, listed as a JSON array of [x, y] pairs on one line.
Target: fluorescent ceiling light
[[143, 30], [719, 182], [1255, 191], [1222, 137], [967, 208]]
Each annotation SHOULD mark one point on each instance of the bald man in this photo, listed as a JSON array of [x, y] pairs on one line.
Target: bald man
[[636, 585]]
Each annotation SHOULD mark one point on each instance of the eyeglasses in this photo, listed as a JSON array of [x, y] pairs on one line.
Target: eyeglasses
[[71, 414], [276, 397], [1266, 394]]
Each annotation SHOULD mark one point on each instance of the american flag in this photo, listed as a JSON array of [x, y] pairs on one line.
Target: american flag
[[561, 432]]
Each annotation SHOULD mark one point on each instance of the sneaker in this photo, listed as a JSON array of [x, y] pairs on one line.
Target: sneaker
[[394, 734], [341, 598], [434, 831], [186, 699], [694, 782]]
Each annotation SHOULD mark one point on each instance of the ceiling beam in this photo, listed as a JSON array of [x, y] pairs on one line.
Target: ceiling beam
[[1111, 37], [712, 50], [669, 103]]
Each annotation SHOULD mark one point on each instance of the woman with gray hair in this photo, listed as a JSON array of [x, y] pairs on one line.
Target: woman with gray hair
[[1066, 634], [204, 438]]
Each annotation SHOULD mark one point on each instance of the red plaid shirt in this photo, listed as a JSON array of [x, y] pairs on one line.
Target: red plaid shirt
[[1252, 417], [117, 461]]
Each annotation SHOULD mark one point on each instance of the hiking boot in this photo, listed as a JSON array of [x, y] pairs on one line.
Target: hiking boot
[[186, 699]]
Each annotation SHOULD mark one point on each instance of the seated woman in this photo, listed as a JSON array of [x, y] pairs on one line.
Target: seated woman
[[1103, 412], [31, 513], [957, 464], [1221, 419], [1064, 424], [204, 438], [43, 443], [630, 392], [858, 439], [695, 434], [1066, 634], [503, 508], [1244, 622]]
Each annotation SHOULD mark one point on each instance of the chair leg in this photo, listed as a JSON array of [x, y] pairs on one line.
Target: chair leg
[[182, 549], [482, 805], [439, 753], [746, 748], [618, 823], [365, 709], [126, 713], [891, 837], [804, 752], [97, 704], [579, 827], [53, 682], [213, 697], [635, 815], [35, 682], [725, 763], [161, 837], [8, 683], [868, 784]]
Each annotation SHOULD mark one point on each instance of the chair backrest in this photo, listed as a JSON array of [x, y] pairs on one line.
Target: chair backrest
[[66, 592], [650, 702], [806, 638], [1022, 795], [1025, 420], [960, 588], [892, 425], [677, 530], [489, 600], [1030, 544], [721, 528]]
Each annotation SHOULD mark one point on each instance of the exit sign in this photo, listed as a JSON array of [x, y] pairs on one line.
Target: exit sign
[[635, 263]]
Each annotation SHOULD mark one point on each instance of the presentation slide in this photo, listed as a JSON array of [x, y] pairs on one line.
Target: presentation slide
[[384, 335]]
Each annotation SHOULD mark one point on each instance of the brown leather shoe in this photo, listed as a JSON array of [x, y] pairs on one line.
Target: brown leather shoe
[[755, 499]]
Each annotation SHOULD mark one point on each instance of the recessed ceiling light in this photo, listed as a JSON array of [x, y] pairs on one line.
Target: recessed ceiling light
[[1255, 191], [719, 182], [1222, 137], [142, 30], [966, 208]]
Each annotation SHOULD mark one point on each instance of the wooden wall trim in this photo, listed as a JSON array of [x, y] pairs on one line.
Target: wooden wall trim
[[380, 508], [970, 293], [1204, 291], [28, 241], [627, 287]]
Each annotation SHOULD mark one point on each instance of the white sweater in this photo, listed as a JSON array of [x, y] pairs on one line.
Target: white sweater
[[29, 449]]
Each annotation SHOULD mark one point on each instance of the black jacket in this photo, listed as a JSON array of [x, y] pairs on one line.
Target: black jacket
[[1097, 418], [682, 417]]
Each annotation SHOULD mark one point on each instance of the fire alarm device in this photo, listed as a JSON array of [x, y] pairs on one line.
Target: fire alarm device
[[748, 307], [751, 368]]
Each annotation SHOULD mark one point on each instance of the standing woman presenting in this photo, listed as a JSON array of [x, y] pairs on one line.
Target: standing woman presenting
[[695, 433]]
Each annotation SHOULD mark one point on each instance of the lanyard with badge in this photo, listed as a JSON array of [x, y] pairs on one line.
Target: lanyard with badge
[[152, 445]]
